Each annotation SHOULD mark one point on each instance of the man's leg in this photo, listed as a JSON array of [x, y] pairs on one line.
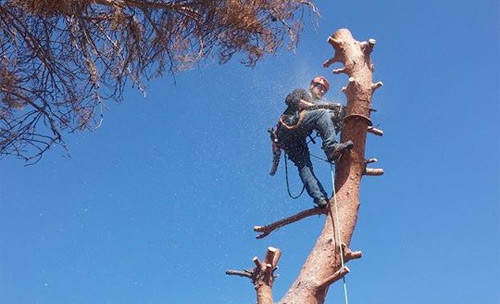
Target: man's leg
[[320, 120], [299, 155]]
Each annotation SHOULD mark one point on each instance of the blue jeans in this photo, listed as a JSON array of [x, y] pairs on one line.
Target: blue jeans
[[294, 143]]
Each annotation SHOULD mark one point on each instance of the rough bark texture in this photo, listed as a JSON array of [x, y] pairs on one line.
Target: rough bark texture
[[324, 260]]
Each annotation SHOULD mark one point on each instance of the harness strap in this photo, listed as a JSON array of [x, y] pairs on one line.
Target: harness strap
[[302, 115]]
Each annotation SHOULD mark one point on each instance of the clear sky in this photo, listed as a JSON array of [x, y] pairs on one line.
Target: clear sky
[[155, 205]]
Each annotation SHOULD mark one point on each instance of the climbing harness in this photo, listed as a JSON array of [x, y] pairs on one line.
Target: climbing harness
[[336, 224], [302, 115]]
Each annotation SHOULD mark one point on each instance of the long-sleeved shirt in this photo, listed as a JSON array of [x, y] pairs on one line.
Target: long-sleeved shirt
[[292, 100]]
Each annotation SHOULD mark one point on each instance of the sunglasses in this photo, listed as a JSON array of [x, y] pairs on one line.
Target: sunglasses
[[321, 87]]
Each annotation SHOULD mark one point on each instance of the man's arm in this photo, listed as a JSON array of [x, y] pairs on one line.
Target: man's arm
[[306, 105], [297, 99]]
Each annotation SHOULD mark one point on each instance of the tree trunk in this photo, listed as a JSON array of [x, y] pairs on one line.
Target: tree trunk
[[325, 263], [324, 260]]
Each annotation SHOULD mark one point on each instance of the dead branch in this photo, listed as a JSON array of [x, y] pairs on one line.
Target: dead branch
[[339, 274], [69, 57], [266, 230], [242, 273]]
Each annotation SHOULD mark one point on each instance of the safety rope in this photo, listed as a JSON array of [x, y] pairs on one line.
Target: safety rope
[[337, 229], [288, 184]]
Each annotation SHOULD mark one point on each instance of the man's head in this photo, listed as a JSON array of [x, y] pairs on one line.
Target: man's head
[[319, 87]]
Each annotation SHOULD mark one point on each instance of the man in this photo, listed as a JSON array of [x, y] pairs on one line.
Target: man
[[307, 112]]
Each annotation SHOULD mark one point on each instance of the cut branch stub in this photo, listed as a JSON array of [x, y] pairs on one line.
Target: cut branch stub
[[337, 56], [340, 70], [367, 46], [271, 260], [377, 85], [331, 61], [339, 274], [350, 85], [257, 262], [352, 81], [336, 43], [375, 131], [272, 256], [349, 254], [374, 172]]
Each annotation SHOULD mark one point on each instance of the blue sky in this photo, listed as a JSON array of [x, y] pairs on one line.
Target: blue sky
[[155, 205]]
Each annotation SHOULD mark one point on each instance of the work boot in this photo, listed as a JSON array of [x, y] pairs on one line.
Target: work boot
[[338, 150], [322, 203]]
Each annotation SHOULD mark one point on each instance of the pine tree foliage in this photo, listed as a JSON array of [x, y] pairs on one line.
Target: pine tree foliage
[[61, 60]]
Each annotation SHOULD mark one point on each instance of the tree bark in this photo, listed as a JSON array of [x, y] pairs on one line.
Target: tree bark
[[262, 275], [324, 261]]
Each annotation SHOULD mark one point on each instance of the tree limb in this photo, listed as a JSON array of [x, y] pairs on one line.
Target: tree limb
[[262, 275], [241, 273], [70, 57], [266, 230]]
